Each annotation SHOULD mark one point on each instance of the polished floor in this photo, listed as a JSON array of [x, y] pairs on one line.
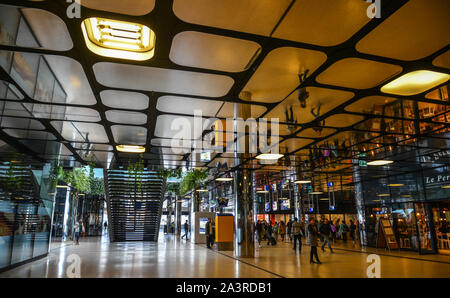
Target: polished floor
[[173, 258]]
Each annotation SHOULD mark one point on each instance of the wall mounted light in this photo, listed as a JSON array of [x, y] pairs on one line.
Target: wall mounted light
[[269, 156]]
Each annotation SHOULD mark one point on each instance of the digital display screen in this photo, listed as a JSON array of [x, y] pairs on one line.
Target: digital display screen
[[267, 207], [285, 204], [274, 206], [203, 222]]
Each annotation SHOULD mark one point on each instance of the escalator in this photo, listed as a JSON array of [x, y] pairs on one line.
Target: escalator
[[134, 205]]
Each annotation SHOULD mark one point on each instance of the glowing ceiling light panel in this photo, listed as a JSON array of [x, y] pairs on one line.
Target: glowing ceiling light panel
[[379, 162], [415, 82], [269, 156], [130, 148], [302, 181], [119, 39]]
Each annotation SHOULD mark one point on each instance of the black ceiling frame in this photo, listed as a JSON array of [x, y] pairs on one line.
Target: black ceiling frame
[[181, 26]]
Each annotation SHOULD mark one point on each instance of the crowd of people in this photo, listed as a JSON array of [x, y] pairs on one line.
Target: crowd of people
[[325, 230]]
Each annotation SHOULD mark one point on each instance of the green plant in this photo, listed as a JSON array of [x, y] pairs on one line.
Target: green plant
[[136, 171], [192, 180]]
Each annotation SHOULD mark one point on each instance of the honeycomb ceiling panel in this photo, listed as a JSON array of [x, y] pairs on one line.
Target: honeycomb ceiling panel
[[78, 131], [311, 133], [176, 127], [74, 82], [293, 144], [186, 105], [227, 110], [342, 120], [326, 98], [29, 134], [416, 30], [370, 104], [126, 117], [129, 7], [21, 123], [323, 22], [196, 49], [358, 73], [124, 99], [162, 80], [278, 74], [251, 16], [443, 60], [57, 112], [129, 135], [49, 29]]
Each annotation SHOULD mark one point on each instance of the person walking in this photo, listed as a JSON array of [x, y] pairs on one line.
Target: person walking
[[268, 232], [289, 229], [333, 232], [313, 241], [352, 229], [275, 230], [282, 230], [106, 225], [186, 230], [297, 234], [209, 233], [343, 230], [78, 228], [258, 228], [325, 231]]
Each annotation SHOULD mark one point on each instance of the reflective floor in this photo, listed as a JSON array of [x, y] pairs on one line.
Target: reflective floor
[[174, 258]]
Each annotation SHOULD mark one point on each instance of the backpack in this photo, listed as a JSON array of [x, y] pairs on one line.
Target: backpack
[[333, 228]]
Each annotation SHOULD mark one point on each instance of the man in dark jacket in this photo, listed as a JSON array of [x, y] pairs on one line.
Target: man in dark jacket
[[325, 231], [186, 230], [209, 233]]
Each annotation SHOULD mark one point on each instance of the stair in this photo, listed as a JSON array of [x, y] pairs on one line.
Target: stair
[[134, 213]]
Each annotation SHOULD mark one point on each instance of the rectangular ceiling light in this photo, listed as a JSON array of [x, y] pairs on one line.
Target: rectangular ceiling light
[[269, 156], [415, 82], [130, 148], [117, 39], [302, 181], [395, 184], [224, 179], [379, 162]]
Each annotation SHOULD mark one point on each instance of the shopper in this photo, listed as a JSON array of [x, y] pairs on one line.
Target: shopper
[[275, 230], [258, 229], [352, 229], [325, 232], [78, 228], [282, 229], [209, 233], [313, 241], [297, 233], [343, 230], [268, 232], [186, 230], [289, 229], [333, 231]]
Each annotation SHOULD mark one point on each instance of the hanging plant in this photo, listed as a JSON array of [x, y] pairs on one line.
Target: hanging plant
[[136, 173]]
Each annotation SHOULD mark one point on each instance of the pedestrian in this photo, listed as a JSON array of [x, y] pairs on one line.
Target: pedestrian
[[258, 228], [357, 232], [333, 232], [282, 230], [78, 228], [186, 230], [275, 230], [289, 229], [343, 230], [268, 232], [209, 233], [313, 241], [352, 229], [297, 233], [106, 225], [325, 231]]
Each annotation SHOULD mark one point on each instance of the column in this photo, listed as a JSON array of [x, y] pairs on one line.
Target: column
[[244, 245], [178, 216], [359, 200]]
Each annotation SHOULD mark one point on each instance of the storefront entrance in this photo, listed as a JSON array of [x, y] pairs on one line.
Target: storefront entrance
[[441, 218]]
